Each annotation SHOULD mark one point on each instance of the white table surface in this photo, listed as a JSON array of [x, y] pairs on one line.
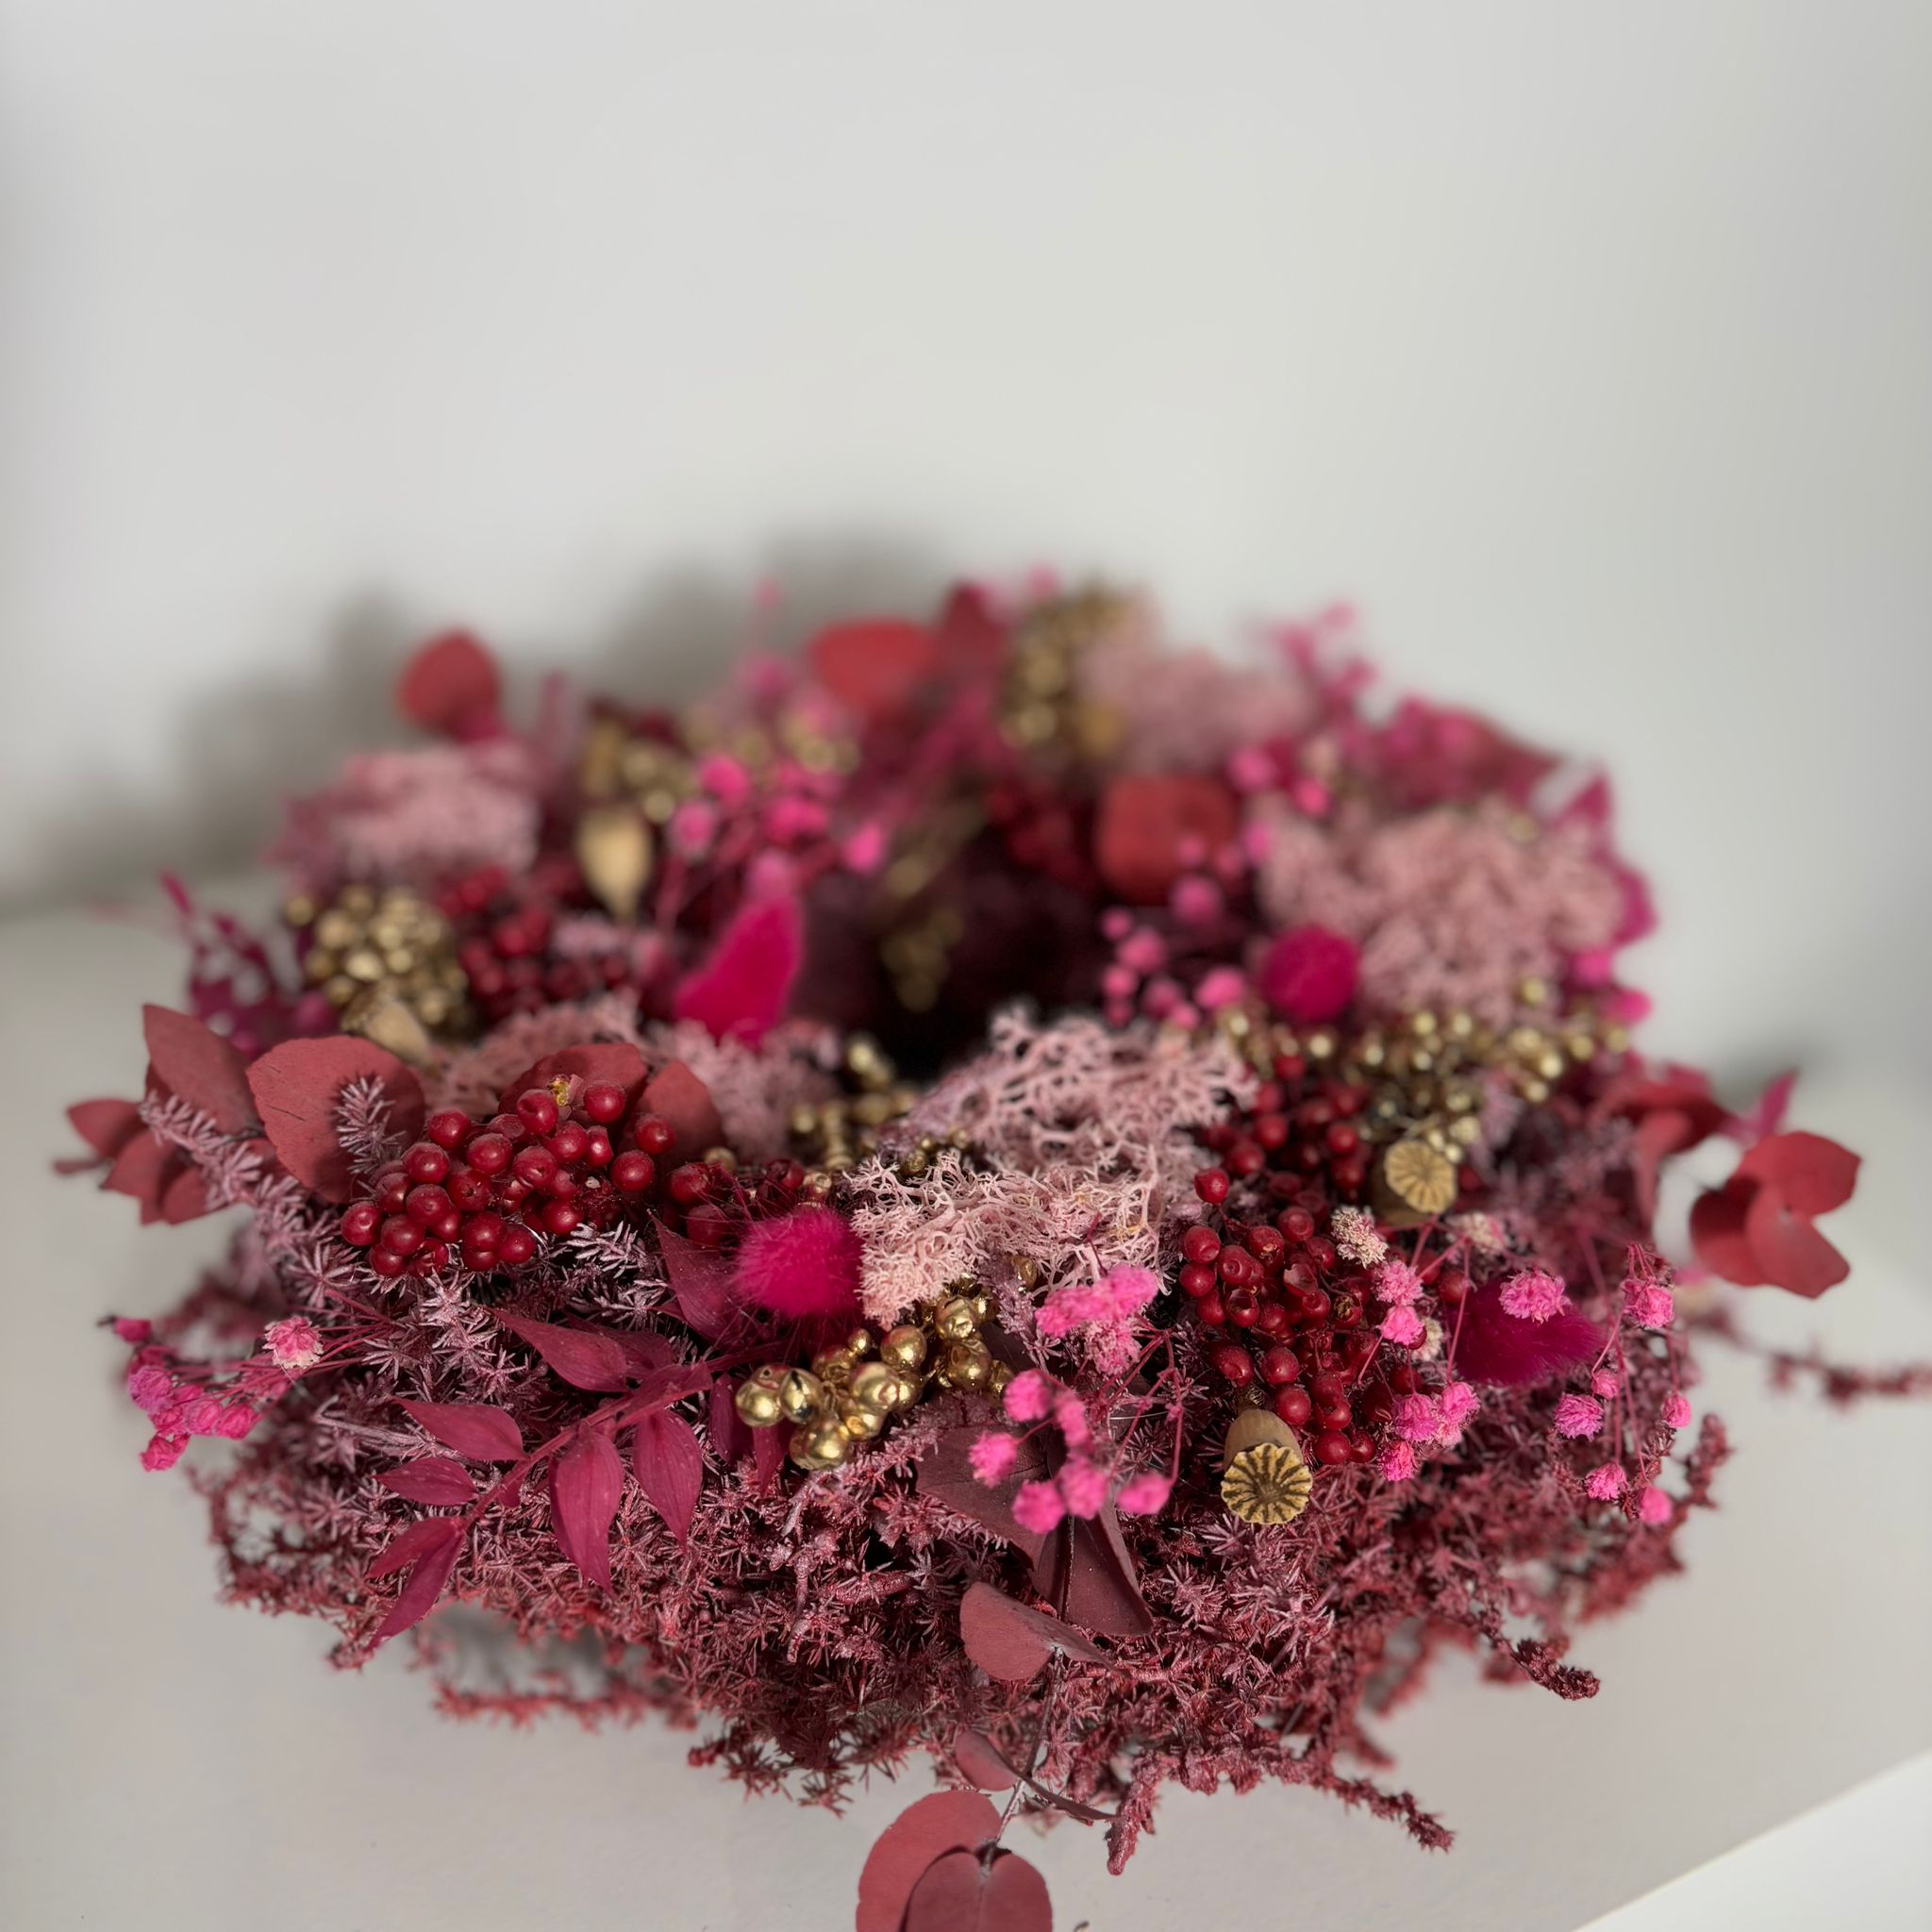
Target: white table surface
[[166, 1763]]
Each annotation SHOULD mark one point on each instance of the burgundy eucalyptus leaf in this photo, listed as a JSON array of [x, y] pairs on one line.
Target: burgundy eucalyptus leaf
[[945, 1474], [297, 1088], [479, 1430], [106, 1126], [585, 1358], [669, 1468], [185, 1197], [142, 1170], [451, 686], [946, 1822], [430, 1479], [965, 1892], [197, 1065], [1103, 1591], [436, 1558], [1012, 1642], [585, 1486]]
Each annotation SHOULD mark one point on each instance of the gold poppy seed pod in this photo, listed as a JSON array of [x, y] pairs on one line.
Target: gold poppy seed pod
[[954, 1319], [821, 1443], [1265, 1479], [801, 1395], [904, 1347], [1419, 1176]]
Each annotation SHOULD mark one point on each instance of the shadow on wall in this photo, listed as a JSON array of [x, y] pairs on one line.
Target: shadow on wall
[[280, 731]]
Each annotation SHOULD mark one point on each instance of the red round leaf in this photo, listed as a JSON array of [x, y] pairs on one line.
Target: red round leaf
[[946, 1822], [450, 686], [980, 1763], [1145, 822], [1010, 1642], [679, 1097], [1791, 1253], [1717, 1233], [1812, 1173], [615, 1061], [196, 1064], [298, 1088], [961, 1892], [876, 667]]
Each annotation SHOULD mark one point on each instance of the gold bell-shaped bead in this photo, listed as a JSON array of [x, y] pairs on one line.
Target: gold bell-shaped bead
[[821, 1443]]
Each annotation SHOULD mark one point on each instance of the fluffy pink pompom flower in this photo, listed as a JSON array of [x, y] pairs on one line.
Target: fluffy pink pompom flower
[[1070, 1414], [1397, 1463], [1145, 1494], [1678, 1411], [1038, 1508], [1649, 1303], [1309, 975], [1532, 1295], [1579, 1415], [1605, 1482], [1603, 1382], [1417, 1419], [1128, 1290], [1403, 1326], [1083, 1487], [805, 1264], [1397, 1282], [1460, 1402], [293, 1344], [992, 1457], [1653, 1507], [1029, 1395]]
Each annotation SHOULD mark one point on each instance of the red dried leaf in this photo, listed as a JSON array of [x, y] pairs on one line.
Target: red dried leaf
[[1813, 1174], [451, 686], [479, 1430], [434, 1557], [1010, 1642], [981, 1762], [876, 667], [946, 1473], [142, 1170], [961, 1892], [661, 1388], [106, 1126], [412, 1541], [670, 1469], [946, 1822], [430, 1479], [676, 1094], [1145, 820], [185, 1197], [700, 1283], [195, 1064], [1103, 1591], [299, 1087], [730, 1437], [585, 1358], [1791, 1253], [647, 1349], [1717, 1233], [586, 1484], [742, 989], [614, 1061], [767, 1458]]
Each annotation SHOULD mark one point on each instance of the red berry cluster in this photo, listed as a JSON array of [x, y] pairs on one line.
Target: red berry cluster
[[1300, 1132], [504, 944], [487, 1189]]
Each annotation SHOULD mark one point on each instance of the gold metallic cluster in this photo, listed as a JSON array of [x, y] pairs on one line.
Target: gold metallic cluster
[[1426, 1073], [1042, 709], [834, 1136], [1264, 1478], [387, 963], [849, 1394]]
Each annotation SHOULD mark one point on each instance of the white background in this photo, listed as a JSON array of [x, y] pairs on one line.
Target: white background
[[1589, 349]]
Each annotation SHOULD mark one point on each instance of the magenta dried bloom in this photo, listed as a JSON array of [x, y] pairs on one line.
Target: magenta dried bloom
[[1083, 1487], [992, 1456], [1029, 1396], [1607, 1482], [1676, 1411], [1145, 1494], [1397, 1282], [1403, 1326], [1038, 1507], [1532, 1295], [1655, 1507], [293, 1344], [1649, 1303], [1309, 975], [1579, 1415], [1398, 1463]]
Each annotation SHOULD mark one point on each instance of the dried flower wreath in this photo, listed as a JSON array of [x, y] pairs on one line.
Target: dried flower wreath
[[992, 1189]]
